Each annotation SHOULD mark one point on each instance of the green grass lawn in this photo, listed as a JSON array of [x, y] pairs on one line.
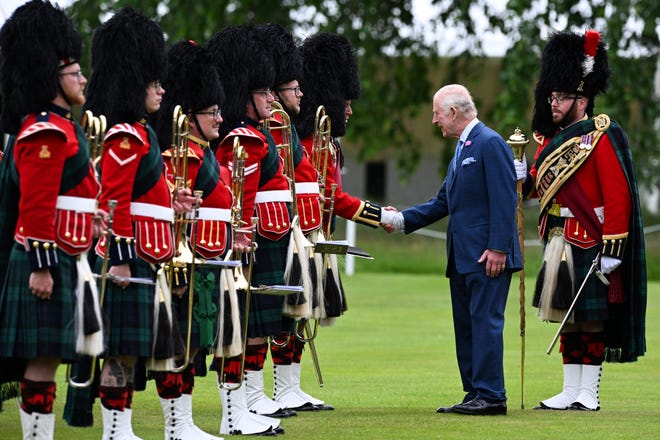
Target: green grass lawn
[[389, 362]]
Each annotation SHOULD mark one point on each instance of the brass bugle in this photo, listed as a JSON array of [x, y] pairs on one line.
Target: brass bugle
[[112, 204], [191, 285]]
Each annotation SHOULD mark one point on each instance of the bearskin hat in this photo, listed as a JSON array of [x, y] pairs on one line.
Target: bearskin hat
[[286, 57], [192, 82], [570, 63], [243, 65], [128, 53], [330, 78], [35, 42]]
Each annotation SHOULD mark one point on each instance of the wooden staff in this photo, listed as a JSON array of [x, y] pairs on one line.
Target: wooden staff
[[517, 142]]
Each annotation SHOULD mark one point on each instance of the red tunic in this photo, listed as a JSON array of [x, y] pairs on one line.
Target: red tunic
[[144, 222], [267, 198], [46, 214], [306, 177], [601, 178]]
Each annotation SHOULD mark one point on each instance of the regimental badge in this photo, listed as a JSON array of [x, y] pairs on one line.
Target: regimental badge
[[44, 153], [125, 145], [602, 122]]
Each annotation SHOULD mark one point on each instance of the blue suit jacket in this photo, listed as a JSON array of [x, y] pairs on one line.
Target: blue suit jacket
[[480, 199]]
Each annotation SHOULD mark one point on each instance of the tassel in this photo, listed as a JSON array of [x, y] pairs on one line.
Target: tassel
[[88, 321], [539, 287], [616, 294], [563, 296], [297, 273], [334, 298], [163, 347]]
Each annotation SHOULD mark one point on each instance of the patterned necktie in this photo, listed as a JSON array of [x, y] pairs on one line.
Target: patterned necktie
[[457, 154]]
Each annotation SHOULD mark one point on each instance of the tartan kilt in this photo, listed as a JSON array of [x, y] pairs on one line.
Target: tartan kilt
[[265, 318], [31, 327], [205, 308], [592, 304], [129, 314]]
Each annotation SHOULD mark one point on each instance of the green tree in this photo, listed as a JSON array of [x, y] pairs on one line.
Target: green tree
[[395, 58]]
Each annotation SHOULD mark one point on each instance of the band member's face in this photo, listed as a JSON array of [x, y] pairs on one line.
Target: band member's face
[[73, 83], [155, 92], [566, 109], [289, 94], [262, 99], [209, 120], [348, 111]]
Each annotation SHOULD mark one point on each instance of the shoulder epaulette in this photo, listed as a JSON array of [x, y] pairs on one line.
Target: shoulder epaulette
[[243, 132], [124, 129], [39, 127]]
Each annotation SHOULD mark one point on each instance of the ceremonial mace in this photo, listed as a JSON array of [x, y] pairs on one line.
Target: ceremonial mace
[[517, 142]]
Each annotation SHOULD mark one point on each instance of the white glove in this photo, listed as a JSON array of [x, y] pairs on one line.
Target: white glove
[[608, 264], [521, 168], [393, 218]]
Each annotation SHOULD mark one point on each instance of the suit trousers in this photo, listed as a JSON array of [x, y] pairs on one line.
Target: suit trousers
[[478, 304]]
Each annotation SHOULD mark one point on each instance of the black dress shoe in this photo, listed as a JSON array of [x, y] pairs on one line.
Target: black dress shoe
[[444, 409], [480, 407]]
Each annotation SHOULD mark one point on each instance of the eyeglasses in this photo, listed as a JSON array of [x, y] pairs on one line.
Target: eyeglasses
[[561, 98], [215, 113], [78, 74], [155, 84], [296, 90], [263, 93]]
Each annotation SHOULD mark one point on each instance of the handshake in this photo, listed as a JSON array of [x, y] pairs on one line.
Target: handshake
[[391, 219]]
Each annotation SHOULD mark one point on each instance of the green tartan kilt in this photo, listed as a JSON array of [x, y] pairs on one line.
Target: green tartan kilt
[[31, 327], [205, 308], [129, 314], [265, 318], [592, 304]]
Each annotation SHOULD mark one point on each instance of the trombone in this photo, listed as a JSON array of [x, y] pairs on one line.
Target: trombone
[[95, 128], [184, 256], [241, 281]]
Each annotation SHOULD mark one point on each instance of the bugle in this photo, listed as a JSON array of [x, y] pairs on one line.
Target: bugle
[[112, 204], [95, 128], [239, 280], [182, 266]]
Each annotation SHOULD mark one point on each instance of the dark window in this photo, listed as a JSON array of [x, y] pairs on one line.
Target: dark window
[[375, 176]]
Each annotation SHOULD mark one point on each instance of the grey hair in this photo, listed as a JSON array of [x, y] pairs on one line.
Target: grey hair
[[458, 96]]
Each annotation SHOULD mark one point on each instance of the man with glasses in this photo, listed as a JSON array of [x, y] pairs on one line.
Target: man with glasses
[[247, 75], [590, 220], [287, 350], [193, 83], [48, 192]]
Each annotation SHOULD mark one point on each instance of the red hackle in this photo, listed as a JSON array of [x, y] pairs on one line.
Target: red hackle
[[591, 41]]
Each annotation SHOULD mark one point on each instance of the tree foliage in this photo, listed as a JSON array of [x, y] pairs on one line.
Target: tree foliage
[[395, 57]]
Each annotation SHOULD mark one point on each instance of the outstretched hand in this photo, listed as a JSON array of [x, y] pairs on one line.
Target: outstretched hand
[[391, 220]]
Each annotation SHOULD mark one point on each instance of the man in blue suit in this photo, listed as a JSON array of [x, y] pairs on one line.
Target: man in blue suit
[[479, 196]]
